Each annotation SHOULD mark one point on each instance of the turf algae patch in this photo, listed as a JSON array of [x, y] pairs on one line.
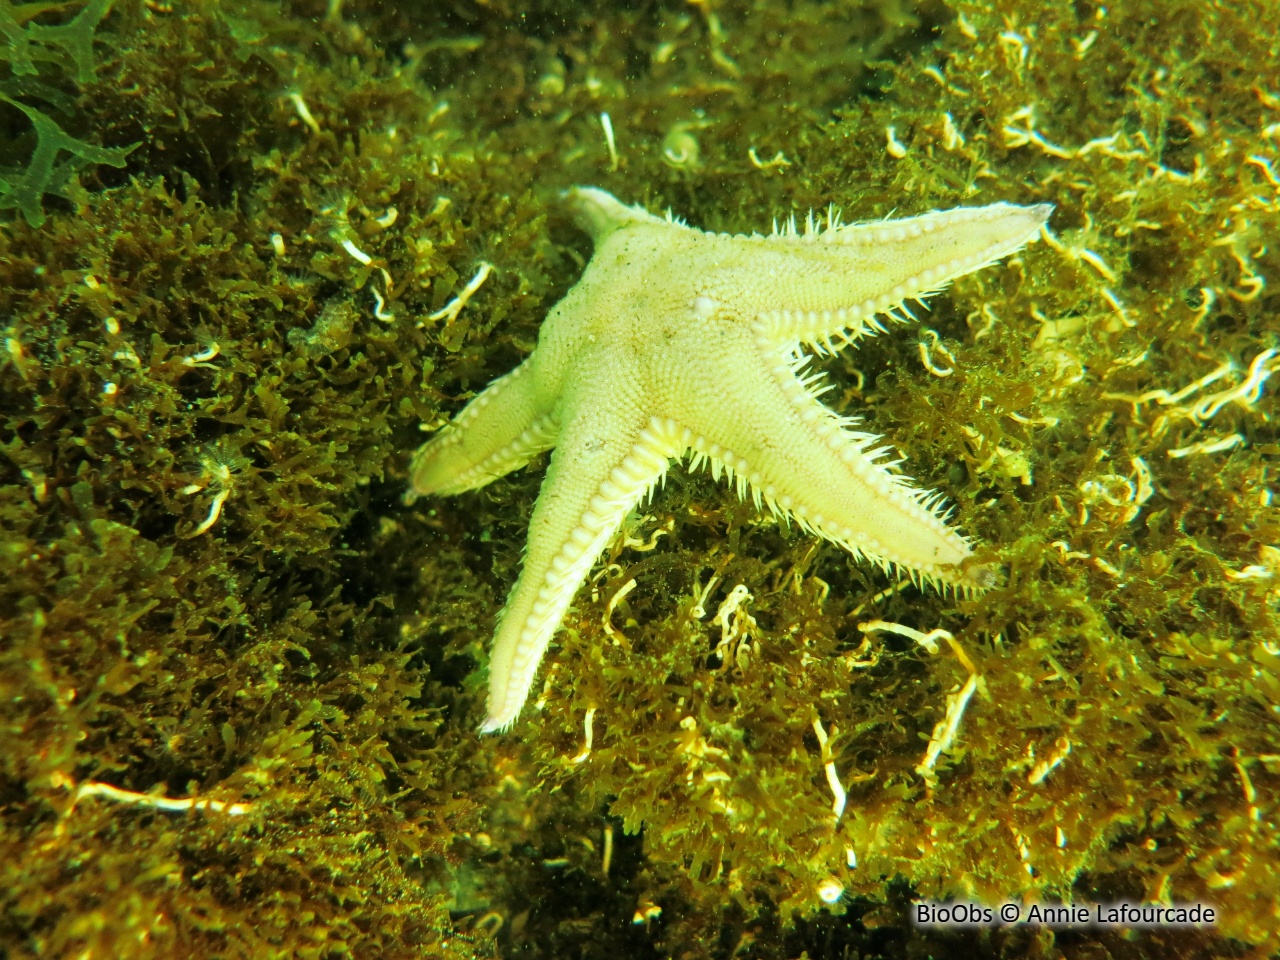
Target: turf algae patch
[[189, 497], [211, 591]]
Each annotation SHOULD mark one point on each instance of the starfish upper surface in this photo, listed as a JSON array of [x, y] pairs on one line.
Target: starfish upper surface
[[679, 342]]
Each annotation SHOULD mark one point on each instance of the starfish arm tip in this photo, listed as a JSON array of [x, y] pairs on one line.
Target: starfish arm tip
[[977, 577], [494, 724], [600, 213], [501, 430]]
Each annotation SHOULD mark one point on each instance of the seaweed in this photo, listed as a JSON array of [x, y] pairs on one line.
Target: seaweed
[[239, 681], [69, 46], [43, 175], [28, 41]]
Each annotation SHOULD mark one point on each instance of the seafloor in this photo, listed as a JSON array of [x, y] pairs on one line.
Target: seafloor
[[226, 226]]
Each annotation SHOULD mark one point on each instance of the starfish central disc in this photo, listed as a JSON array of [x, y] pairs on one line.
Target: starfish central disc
[[677, 342]]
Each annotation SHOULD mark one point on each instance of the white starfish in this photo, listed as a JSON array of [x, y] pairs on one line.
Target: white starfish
[[676, 340]]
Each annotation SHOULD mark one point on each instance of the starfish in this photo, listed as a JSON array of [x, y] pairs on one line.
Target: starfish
[[677, 342]]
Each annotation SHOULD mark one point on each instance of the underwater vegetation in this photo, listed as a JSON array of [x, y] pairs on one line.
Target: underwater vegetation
[[240, 273], [28, 44]]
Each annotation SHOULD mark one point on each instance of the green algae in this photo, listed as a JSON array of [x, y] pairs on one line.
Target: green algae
[[68, 47], [199, 333]]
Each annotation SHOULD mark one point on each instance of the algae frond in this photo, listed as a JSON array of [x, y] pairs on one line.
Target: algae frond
[[67, 47]]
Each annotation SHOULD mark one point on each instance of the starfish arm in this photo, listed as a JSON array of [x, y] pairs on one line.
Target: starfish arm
[[500, 430], [600, 213], [805, 463], [816, 285], [602, 467]]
